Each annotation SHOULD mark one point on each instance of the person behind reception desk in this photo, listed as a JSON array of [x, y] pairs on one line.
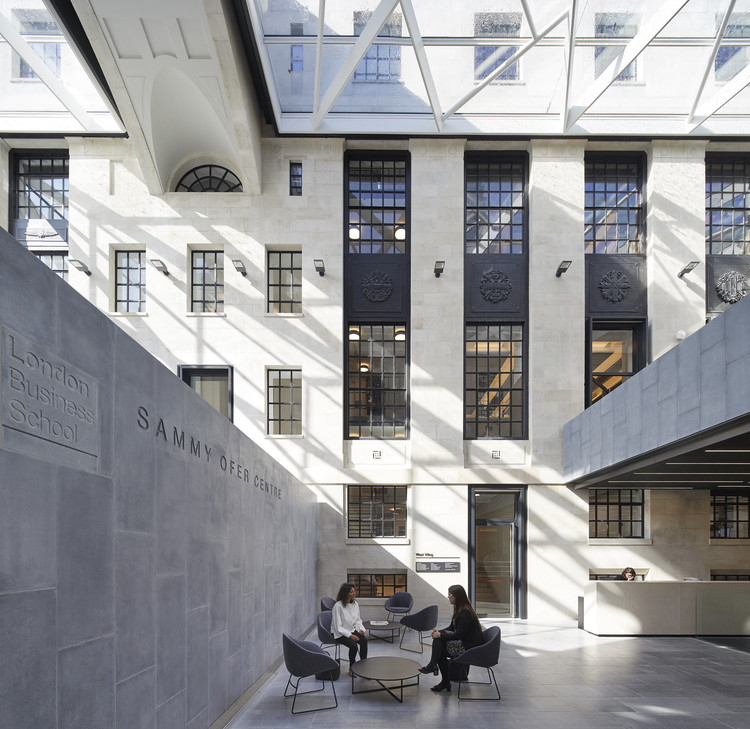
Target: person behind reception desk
[[346, 624], [627, 574]]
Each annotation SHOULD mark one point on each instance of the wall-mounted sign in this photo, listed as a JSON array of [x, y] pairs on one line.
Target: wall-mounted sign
[[46, 397], [434, 566]]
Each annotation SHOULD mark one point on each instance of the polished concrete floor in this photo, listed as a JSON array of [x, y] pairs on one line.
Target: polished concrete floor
[[550, 676]]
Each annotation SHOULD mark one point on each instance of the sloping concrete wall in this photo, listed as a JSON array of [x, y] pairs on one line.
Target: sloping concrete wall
[[150, 554], [699, 384]]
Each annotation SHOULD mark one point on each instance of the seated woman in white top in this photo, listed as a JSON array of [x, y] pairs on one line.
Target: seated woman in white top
[[346, 625]]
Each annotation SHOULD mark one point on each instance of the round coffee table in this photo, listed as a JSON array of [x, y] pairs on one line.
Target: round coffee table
[[385, 668], [382, 626]]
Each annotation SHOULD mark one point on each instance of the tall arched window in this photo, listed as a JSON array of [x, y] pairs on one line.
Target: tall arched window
[[209, 178]]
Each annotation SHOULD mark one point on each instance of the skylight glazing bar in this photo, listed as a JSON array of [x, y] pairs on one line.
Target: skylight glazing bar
[[319, 53], [710, 62], [631, 51], [377, 20], [569, 57], [725, 94], [424, 67], [530, 19], [509, 62], [50, 80]]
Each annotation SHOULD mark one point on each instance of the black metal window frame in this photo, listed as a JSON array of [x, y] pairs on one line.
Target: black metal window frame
[[614, 204], [730, 515], [595, 381], [730, 577], [40, 187], [190, 374], [49, 51], [495, 205], [617, 513], [207, 281], [57, 261], [382, 62], [130, 281], [284, 401], [727, 205], [614, 25], [209, 178], [376, 512], [725, 67], [377, 393], [495, 391], [377, 203], [496, 25], [284, 281], [37, 26], [295, 179], [377, 584]]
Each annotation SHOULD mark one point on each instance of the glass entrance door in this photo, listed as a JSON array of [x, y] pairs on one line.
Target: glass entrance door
[[497, 552]]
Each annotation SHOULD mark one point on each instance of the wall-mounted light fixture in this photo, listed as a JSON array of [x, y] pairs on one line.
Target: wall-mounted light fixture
[[687, 268], [80, 265], [353, 232], [439, 268], [159, 265], [240, 266], [562, 268], [320, 266]]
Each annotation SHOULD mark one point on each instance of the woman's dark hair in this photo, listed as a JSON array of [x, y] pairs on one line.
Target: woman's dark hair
[[627, 571], [343, 596], [461, 601]]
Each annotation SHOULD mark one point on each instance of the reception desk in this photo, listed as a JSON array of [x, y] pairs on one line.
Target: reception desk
[[666, 608]]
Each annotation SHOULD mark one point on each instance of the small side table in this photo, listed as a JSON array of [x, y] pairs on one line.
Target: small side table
[[386, 669], [382, 626]]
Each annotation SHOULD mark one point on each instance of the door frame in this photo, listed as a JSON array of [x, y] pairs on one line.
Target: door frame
[[520, 581]]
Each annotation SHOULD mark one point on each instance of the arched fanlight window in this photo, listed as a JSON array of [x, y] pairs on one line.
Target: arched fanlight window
[[209, 178]]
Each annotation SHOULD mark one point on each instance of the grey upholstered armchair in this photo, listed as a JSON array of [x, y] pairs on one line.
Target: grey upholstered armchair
[[484, 656], [303, 658]]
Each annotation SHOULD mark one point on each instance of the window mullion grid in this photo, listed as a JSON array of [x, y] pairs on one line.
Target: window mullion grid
[[727, 207], [616, 513], [613, 207]]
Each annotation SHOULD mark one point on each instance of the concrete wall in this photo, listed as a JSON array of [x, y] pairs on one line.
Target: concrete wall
[[700, 383], [151, 555]]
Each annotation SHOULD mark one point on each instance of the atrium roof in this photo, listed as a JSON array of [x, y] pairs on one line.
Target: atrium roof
[[588, 68], [508, 67]]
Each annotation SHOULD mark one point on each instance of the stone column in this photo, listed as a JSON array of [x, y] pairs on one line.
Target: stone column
[[557, 314], [675, 226]]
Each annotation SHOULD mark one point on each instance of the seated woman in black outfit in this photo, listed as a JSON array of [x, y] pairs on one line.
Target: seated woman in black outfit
[[464, 627]]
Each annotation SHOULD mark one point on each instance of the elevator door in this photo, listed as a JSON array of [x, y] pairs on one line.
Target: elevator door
[[495, 549]]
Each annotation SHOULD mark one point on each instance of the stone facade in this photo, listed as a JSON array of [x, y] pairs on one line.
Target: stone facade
[[112, 208]]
